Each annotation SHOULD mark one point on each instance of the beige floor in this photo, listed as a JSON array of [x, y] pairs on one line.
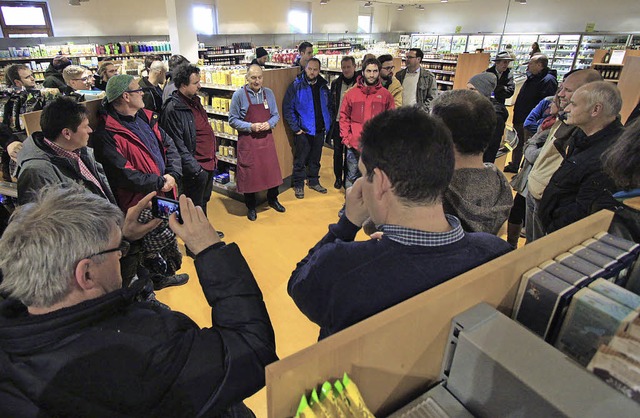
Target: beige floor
[[272, 246]]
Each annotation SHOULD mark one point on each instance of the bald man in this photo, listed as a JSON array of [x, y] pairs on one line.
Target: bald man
[[254, 113]]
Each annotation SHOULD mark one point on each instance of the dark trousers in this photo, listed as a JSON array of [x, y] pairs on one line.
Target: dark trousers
[[516, 154], [199, 189], [518, 210], [338, 155], [306, 162], [250, 198]]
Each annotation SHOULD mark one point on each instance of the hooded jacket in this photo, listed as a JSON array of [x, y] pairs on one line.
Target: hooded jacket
[[115, 357], [505, 87], [480, 197], [358, 106], [297, 105], [129, 163], [38, 166], [534, 89]]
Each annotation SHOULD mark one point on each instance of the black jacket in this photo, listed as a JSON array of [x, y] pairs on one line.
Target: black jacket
[[177, 121], [152, 96], [579, 184], [53, 78], [336, 86], [534, 89], [502, 114], [506, 86], [38, 166], [115, 357]]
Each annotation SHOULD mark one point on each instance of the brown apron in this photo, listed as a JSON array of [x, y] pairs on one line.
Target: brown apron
[[258, 167]]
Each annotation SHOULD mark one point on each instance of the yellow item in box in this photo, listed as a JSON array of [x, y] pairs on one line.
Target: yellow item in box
[[208, 77], [212, 122], [228, 129], [227, 80], [203, 76], [225, 105], [216, 103], [220, 126]]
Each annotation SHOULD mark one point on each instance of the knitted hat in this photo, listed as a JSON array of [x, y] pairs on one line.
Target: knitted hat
[[117, 85], [261, 52], [503, 56], [485, 83]]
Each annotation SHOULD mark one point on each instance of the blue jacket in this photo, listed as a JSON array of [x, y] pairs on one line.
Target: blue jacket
[[297, 106], [538, 114]]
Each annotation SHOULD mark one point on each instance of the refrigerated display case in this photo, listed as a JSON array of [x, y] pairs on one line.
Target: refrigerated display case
[[474, 42], [491, 44], [548, 44], [521, 46], [427, 43], [444, 43], [565, 54], [459, 44], [590, 43]]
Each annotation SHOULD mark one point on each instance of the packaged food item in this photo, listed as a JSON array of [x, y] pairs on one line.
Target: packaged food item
[[355, 402], [304, 410], [335, 407]]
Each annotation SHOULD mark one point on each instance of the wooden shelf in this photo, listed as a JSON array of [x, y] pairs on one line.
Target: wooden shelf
[[613, 80], [226, 135], [278, 64], [448, 83], [229, 160], [601, 64], [442, 72], [219, 87], [212, 111]]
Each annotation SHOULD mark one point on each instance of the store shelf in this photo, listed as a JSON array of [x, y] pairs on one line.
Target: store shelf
[[234, 54], [230, 187], [438, 61], [599, 64], [442, 72], [613, 80], [226, 159], [278, 64], [328, 48], [226, 136], [220, 87], [212, 111], [133, 54], [448, 83]]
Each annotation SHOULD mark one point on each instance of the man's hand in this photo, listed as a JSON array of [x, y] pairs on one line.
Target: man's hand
[[264, 126], [133, 230], [169, 183], [255, 127], [196, 231], [300, 132], [355, 210], [13, 149]]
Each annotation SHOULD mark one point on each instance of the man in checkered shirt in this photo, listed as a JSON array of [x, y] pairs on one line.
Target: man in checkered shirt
[[407, 162]]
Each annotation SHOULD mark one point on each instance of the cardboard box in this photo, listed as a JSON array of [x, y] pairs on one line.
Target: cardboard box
[[395, 355], [616, 293], [565, 273]]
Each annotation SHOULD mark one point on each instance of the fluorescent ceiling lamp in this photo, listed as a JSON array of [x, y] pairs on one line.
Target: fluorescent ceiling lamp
[[444, 1], [420, 7], [324, 1], [521, 1], [368, 4], [401, 7]]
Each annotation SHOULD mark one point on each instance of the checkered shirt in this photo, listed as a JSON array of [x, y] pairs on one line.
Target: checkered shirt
[[410, 236]]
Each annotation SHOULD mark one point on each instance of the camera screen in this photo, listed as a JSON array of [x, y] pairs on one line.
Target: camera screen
[[166, 208]]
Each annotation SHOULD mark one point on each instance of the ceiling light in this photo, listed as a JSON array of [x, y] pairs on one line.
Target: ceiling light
[[401, 7], [324, 1], [444, 1], [420, 7], [521, 1], [74, 2], [368, 4]]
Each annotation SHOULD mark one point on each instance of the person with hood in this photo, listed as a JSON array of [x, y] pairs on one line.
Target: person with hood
[[360, 104], [506, 86], [307, 109], [478, 194], [53, 73], [387, 79], [485, 84]]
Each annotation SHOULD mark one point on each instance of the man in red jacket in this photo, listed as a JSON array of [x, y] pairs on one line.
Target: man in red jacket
[[360, 104]]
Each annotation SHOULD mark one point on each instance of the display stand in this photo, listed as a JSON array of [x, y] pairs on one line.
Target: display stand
[[31, 120], [629, 86], [468, 66], [395, 355]]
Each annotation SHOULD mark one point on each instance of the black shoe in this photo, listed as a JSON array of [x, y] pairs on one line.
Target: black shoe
[[299, 191], [510, 168], [252, 215], [318, 188], [277, 206], [220, 234], [337, 184], [167, 281]]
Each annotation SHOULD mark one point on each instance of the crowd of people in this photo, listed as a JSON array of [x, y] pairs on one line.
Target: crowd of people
[[81, 333]]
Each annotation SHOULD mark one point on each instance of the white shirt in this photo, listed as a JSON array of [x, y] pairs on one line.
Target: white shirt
[[409, 87]]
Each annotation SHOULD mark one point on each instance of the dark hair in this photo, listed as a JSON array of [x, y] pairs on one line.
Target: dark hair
[[418, 52], [61, 113], [13, 74], [303, 46], [370, 61], [469, 116], [621, 161], [348, 58], [384, 58], [149, 59], [314, 59], [177, 60], [414, 150], [182, 74]]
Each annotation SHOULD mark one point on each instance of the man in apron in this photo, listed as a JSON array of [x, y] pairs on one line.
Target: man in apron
[[254, 113]]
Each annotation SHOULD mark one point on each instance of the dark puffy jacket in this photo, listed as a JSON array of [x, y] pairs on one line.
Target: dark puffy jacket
[[336, 87], [297, 105], [178, 122], [128, 162], [534, 89], [38, 166], [506, 86], [358, 106], [53, 79], [152, 96], [115, 357], [579, 183]]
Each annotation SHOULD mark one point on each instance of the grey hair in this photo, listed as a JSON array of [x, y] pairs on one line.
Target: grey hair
[[605, 94], [157, 66], [46, 239]]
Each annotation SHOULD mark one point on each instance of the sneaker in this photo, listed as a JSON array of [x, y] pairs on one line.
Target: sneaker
[[299, 191], [318, 188], [277, 206], [160, 282]]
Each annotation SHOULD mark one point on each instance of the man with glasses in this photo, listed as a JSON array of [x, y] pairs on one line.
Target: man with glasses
[[139, 158], [418, 84], [93, 348], [74, 76], [389, 82]]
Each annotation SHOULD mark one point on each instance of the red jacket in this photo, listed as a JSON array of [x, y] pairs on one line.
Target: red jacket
[[358, 106], [129, 165]]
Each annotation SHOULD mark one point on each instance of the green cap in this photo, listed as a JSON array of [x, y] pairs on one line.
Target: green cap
[[117, 85]]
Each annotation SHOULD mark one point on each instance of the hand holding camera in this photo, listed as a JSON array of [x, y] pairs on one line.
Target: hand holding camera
[[195, 229]]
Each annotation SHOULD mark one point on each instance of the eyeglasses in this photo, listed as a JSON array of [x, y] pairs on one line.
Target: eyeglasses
[[80, 79], [389, 68], [123, 248], [410, 57], [140, 90]]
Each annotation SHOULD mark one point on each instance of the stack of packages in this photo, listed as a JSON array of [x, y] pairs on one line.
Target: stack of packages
[[577, 302], [340, 400]]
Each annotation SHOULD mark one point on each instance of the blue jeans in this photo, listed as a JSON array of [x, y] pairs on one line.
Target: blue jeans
[[353, 173]]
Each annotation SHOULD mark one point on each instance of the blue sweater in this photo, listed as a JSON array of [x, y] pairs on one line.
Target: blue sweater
[[341, 282]]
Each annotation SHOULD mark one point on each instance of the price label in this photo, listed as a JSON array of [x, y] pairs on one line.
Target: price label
[[458, 29], [591, 26]]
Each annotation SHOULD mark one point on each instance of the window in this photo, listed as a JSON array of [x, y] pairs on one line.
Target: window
[[300, 17], [364, 24], [20, 19], [203, 20]]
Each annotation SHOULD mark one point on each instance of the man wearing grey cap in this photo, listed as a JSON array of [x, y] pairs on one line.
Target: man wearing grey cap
[[506, 86]]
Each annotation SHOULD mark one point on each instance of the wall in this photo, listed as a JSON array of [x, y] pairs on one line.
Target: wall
[[536, 17]]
